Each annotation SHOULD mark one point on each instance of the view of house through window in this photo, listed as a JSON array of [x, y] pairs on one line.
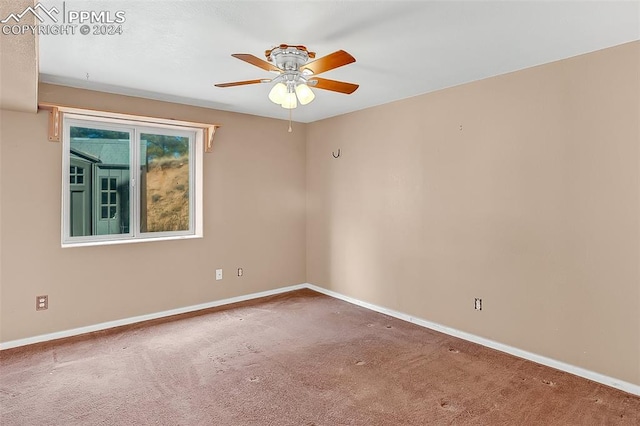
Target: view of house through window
[[99, 181], [127, 181]]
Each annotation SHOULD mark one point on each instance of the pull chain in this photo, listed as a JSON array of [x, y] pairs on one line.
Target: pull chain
[[290, 130]]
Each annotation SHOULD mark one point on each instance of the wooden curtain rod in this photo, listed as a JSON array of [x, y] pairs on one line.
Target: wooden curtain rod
[[56, 111]]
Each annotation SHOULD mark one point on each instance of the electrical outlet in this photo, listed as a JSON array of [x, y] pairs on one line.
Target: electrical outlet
[[477, 305], [240, 272], [42, 303], [218, 274]]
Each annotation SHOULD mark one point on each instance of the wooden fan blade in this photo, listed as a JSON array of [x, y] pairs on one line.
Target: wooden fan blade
[[329, 62], [254, 60], [333, 85], [241, 83]]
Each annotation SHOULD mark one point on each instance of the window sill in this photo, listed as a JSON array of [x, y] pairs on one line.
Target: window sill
[[128, 241]]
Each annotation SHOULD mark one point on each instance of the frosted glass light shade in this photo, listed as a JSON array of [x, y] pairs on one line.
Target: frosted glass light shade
[[305, 95], [278, 93], [290, 101]]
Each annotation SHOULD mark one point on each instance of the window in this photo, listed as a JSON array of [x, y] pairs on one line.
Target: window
[[129, 181]]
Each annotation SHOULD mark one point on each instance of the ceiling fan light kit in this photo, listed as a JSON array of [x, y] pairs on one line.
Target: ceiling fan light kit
[[296, 74], [289, 101], [285, 96], [305, 95], [277, 93]]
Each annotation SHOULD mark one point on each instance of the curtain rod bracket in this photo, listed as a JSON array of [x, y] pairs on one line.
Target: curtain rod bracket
[[55, 123]]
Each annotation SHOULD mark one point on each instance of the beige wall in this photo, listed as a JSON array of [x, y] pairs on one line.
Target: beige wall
[[254, 204], [18, 62], [521, 189]]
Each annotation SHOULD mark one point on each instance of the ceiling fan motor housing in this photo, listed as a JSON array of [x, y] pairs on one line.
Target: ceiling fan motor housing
[[289, 58]]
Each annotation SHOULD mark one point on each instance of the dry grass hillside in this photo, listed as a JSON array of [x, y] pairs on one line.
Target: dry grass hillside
[[167, 203]]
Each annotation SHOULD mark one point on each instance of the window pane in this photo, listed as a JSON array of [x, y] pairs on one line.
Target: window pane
[[100, 201], [164, 185]]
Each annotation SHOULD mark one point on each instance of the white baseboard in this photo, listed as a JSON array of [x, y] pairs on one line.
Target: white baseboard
[[549, 362], [126, 321], [559, 365]]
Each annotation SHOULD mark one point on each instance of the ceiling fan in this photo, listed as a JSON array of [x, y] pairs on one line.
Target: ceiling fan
[[296, 74]]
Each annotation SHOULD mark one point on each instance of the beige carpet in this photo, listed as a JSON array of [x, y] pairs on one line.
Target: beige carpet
[[295, 359]]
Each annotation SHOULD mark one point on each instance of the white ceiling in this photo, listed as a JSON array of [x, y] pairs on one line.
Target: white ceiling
[[176, 50]]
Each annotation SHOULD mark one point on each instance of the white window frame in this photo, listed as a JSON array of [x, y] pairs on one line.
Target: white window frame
[[136, 128]]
